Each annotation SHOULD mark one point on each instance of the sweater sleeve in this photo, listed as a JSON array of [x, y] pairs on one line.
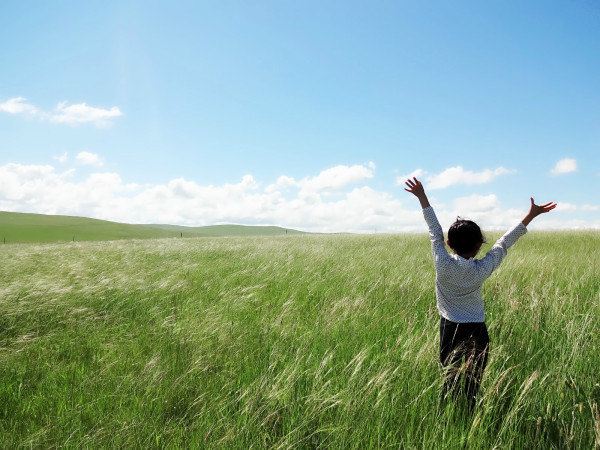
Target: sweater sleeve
[[436, 235], [486, 265]]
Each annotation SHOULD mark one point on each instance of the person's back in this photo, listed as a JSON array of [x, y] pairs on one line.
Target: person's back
[[459, 278], [458, 282]]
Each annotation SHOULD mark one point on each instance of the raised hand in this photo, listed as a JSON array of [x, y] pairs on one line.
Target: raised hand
[[416, 188], [536, 210]]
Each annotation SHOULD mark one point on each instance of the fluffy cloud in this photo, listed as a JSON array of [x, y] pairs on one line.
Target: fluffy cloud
[[475, 203], [458, 175], [352, 206], [565, 165], [45, 189], [283, 183], [18, 105], [83, 113], [588, 207], [328, 180], [62, 158], [453, 176], [89, 159], [419, 173], [336, 177], [70, 114], [565, 206]]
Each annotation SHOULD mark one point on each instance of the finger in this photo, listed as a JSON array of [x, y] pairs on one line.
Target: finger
[[416, 181], [546, 204], [410, 185], [532, 202], [408, 190], [549, 208]]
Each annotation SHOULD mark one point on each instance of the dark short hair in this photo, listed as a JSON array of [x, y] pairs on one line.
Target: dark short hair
[[464, 236]]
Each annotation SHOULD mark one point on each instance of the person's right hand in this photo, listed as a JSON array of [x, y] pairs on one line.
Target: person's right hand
[[536, 210]]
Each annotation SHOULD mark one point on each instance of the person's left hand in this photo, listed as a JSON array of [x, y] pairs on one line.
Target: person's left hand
[[415, 187]]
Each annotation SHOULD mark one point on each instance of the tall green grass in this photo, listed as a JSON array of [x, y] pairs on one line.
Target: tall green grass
[[285, 342]]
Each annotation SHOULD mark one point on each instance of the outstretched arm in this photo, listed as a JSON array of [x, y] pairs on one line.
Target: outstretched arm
[[435, 230], [494, 257]]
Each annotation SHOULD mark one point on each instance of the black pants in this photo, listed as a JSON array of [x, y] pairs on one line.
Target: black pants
[[463, 354]]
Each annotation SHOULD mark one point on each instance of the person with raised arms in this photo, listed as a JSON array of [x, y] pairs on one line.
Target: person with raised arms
[[464, 339]]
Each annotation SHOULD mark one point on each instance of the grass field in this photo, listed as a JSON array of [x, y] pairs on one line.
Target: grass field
[[26, 227], [292, 341]]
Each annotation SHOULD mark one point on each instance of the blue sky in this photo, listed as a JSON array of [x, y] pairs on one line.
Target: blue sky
[[178, 101]]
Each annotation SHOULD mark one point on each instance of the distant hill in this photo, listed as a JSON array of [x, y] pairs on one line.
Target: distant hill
[[26, 227]]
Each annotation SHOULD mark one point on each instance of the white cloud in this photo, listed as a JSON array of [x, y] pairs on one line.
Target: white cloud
[[475, 203], [565, 165], [70, 114], [82, 113], [18, 105], [552, 223], [565, 206], [62, 158], [336, 177], [401, 179], [453, 176], [283, 182], [588, 207], [89, 159], [457, 175], [45, 189], [360, 208]]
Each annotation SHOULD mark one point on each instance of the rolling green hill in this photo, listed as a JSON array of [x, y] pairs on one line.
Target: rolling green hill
[[26, 227]]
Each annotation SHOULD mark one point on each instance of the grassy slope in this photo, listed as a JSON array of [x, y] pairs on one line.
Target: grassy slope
[[303, 341], [25, 227]]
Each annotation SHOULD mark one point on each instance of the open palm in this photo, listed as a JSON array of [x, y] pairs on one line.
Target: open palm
[[536, 210], [414, 187]]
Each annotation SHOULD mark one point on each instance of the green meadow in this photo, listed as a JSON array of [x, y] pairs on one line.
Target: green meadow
[[296, 341], [26, 227]]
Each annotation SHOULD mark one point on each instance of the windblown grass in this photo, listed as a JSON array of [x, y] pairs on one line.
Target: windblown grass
[[297, 341]]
